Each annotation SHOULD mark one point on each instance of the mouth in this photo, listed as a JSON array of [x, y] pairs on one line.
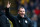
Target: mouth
[[22, 14]]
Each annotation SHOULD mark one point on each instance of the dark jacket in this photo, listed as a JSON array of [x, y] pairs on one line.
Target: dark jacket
[[3, 20], [19, 21]]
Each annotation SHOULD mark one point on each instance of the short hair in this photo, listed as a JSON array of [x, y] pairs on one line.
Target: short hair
[[20, 7]]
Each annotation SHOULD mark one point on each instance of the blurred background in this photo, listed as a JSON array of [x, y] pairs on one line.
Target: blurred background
[[32, 8]]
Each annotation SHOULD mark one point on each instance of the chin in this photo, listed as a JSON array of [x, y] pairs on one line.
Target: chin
[[22, 15]]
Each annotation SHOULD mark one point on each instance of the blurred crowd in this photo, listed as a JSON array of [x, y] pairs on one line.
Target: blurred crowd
[[32, 8]]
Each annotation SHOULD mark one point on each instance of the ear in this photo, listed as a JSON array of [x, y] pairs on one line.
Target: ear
[[18, 12]]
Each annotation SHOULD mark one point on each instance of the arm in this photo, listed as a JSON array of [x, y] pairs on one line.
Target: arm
[[7, 12], [9, 15], [30, 22]]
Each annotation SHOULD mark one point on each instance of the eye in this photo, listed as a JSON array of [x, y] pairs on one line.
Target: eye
[[23, 11], [20, 11]]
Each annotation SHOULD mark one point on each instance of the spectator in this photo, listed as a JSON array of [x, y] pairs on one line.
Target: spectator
[[4, 22], [31, 6], [36, 11], [34, 19]]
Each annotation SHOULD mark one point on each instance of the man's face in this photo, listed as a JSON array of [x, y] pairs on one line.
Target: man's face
[[21, 12]]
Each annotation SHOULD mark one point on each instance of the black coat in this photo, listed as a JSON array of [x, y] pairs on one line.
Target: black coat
[[3, 20], [19, 21]]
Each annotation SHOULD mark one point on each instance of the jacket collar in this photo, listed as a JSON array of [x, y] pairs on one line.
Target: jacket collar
[[19, 17]]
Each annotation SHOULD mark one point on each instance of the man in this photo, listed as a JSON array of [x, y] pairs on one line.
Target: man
[[21, 20], [3, 20]]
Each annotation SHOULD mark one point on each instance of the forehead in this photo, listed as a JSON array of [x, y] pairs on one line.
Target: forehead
[[21, 9]]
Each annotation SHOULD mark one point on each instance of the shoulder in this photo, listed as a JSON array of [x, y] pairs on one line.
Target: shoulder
[[3, 17], [29, 20]]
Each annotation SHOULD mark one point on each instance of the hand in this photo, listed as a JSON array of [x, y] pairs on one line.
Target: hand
[[8, 5]]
